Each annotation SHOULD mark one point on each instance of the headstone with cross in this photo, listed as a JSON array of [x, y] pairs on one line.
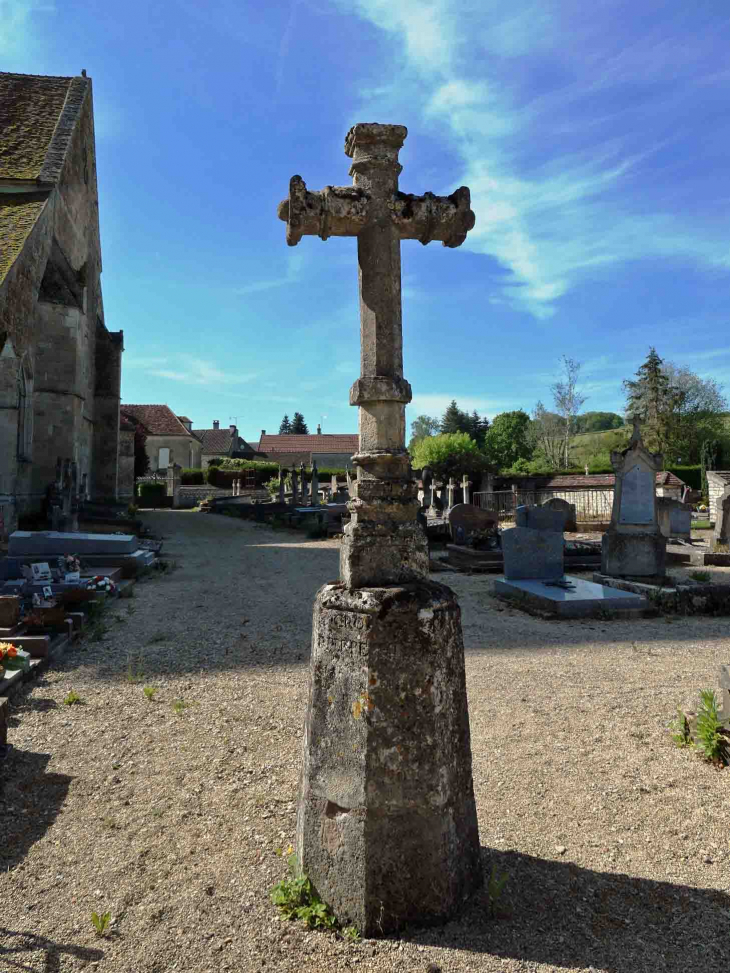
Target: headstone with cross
[[386, 825]]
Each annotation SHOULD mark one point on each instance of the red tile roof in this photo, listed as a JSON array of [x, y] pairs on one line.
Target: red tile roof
[[215, 440], [158, 420], [597, 480], [324, 443]]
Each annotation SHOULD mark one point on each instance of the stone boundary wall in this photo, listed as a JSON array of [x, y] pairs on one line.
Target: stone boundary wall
[[716, 485], [190, 496]]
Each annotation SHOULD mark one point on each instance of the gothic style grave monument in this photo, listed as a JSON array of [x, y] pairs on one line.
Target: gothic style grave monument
[[386, 825], [633, 545]]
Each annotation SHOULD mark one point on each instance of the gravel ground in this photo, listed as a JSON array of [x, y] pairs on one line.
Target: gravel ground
[[615, 842]]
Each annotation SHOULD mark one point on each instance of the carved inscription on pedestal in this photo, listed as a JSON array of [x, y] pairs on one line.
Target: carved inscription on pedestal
[[637, 496], [342, 630]]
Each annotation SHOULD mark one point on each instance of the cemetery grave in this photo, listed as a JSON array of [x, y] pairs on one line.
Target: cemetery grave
[[171, 818]]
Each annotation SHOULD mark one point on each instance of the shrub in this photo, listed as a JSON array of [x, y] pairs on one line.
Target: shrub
[[449, 454], [152, 492], [192, 476], [711, 738]]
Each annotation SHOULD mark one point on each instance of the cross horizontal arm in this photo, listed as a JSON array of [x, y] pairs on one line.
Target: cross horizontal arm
[[345, 211], [334, 211]]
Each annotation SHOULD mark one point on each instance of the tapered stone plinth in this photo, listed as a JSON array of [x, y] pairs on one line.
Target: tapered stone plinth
[[387, 826]]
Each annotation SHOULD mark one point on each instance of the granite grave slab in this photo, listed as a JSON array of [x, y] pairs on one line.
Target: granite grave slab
[[540, 518], [532, 554], [50, 542], [578, 598]]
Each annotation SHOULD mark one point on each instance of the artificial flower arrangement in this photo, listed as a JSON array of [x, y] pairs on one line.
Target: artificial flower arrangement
[[69, 563], [100, 583], [12, 657]]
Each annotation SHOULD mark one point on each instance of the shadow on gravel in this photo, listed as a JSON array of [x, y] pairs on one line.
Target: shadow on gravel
[[31, 800], [15, 947], [562, 915]]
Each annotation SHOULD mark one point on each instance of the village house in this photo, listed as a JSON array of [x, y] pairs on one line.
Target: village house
[[217, 443], [333, 450], [60, 368], [169, 437]]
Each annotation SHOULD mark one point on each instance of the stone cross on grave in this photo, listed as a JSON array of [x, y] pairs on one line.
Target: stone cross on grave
[[380, 216], [386, 822]]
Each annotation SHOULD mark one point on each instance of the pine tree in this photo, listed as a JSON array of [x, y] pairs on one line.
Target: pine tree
[[285, 427], [298, 425], [454, 420], [650, 396]]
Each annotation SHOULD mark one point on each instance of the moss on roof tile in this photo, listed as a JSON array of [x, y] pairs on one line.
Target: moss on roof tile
[[30, 109], [18, 215]]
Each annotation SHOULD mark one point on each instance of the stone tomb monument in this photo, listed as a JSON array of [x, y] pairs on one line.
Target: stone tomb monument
[[386, 825], [534, 571], [633, 545]]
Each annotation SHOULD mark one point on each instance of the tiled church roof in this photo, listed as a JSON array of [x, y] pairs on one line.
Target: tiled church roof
[[158, 420]]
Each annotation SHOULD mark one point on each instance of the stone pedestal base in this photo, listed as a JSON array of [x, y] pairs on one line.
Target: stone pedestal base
[[373, 554], [387, 827], [637, 555]]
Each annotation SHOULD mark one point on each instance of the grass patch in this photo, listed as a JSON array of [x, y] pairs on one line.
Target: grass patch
[[149, 692], [296, 898], [72, 698], [700, 575]]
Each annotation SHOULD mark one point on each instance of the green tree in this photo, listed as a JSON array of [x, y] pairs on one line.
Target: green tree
[[421, 427], [285, 426], [568, 401], [298, 425], [454, 420], [478, 427], [597, 422], [507, 440], [696, 414], [448, 454], [546, 433], [650, 397]]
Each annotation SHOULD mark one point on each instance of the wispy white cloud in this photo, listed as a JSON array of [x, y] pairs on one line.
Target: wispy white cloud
[[294, 264], [17, 18], [549, 217], [188, 369]]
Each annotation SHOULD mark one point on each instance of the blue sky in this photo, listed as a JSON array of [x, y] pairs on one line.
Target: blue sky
[[594, 139]]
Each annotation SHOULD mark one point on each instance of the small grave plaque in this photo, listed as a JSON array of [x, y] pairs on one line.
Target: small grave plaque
[[41, 571], [72, 576], [637, 497]]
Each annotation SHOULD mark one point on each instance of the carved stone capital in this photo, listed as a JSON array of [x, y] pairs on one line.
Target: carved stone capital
[[380, 388]]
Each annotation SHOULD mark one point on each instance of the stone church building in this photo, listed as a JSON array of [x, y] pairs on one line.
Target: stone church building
[[60, 368]]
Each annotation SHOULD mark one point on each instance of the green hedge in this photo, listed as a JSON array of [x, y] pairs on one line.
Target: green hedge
[[192, 476], [152, 492], [692, 475]]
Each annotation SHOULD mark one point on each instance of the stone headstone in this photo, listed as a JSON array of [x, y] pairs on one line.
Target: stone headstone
[[633, 545], [725, 692], [540, 518], [532, 553], [674, 518], [466, 520], [721, 533], [568, 509]]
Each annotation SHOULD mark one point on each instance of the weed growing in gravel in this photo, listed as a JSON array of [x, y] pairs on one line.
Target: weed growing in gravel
[[157, 637], [700, 575], [135, 672], [97, 630], [295, 898], [680, 730], [110, 823], [101, 922], [131, 609], [164, 566], [149, 692], [712, 737], [120, 619], [495, 887], [179, 707], [351, 934], [72, 698]]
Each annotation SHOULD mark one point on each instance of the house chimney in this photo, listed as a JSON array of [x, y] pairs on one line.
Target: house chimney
[[233, 430], [263, 433], [319, 429], [216, 424]]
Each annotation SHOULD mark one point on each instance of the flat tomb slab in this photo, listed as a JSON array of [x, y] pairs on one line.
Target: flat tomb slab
[[53, 543], [583, 598]]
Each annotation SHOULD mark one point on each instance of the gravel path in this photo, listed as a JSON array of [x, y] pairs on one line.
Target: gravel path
[[616, 843]]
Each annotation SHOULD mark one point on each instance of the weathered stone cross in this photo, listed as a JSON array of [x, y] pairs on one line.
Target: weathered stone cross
[[383, 543], [386, 824]]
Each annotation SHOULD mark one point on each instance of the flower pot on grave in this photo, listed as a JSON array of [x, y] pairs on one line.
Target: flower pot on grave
[[9, 610]]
